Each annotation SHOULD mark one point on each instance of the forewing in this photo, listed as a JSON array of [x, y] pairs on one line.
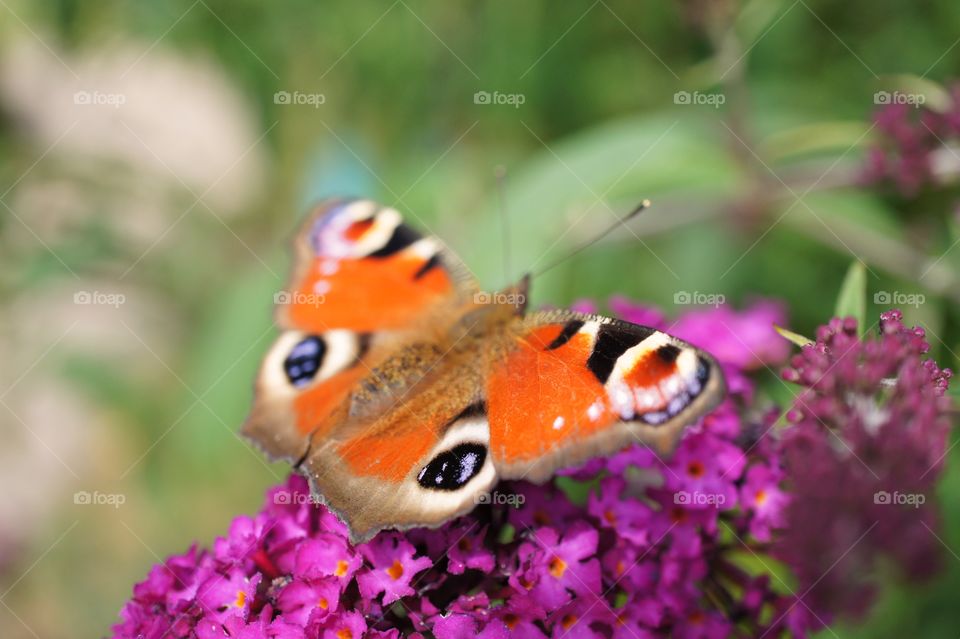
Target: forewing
[[578, 386], [359, 266], [362, 279]]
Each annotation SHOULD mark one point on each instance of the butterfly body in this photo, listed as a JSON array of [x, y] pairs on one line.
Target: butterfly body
[[404, 393]]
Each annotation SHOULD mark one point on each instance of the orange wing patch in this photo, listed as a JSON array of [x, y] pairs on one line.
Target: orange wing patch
[[314, 407], [650, 370], [357, 230], [360, 267], [367, 294], [390, 448], [566, 383], [539, 397]]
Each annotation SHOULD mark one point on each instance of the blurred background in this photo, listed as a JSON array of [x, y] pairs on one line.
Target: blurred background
[[155, 158]]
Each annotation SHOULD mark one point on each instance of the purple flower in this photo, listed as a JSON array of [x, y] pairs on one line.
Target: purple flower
[[553, 568], [520, 615], [862, 458], [228, 595], [619, 515], [393, 566], [744, 340], [909, 135], [346, 625], [467, 550], [654, 546], [302, 601], [704, 471], [762, 496], [326, 555]]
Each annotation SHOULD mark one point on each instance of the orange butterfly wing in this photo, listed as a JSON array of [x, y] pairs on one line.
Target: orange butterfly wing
[[362, 282], [360, 267], [578, 386]]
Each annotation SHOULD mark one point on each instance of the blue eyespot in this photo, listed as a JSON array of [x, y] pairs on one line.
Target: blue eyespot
[[452, 469], [304, 361]]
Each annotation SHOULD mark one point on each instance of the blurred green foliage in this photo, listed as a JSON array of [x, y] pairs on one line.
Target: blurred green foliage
[[598, 130]]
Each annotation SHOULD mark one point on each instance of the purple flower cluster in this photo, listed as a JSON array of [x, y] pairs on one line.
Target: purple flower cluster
[[630, 546], [864, 452], [909, 135]]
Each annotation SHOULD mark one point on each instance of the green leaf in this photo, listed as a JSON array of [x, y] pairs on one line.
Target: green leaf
[[578, 184], [818, 137], [852, 301], [796, 338]]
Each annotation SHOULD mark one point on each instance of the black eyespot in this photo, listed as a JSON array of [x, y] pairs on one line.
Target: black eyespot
[[304, 360], [452, 469], [668, 353]]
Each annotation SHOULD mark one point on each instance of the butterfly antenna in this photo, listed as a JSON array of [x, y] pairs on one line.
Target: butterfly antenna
[[645, 204], [501, 175]]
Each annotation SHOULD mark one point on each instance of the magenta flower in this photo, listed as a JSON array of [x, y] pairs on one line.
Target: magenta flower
[[555, 569], [909, 135], [326, 555], [303, 601], [704, 471], [392, 568], [762, 496], [862, 459], [466, 549], [653, 549]]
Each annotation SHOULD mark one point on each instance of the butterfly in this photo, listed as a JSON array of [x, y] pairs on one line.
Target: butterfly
[[404, 392]]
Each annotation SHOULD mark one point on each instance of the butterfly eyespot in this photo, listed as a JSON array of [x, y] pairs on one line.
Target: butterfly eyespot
[[668, 353], [304, 360], [452, 469]]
